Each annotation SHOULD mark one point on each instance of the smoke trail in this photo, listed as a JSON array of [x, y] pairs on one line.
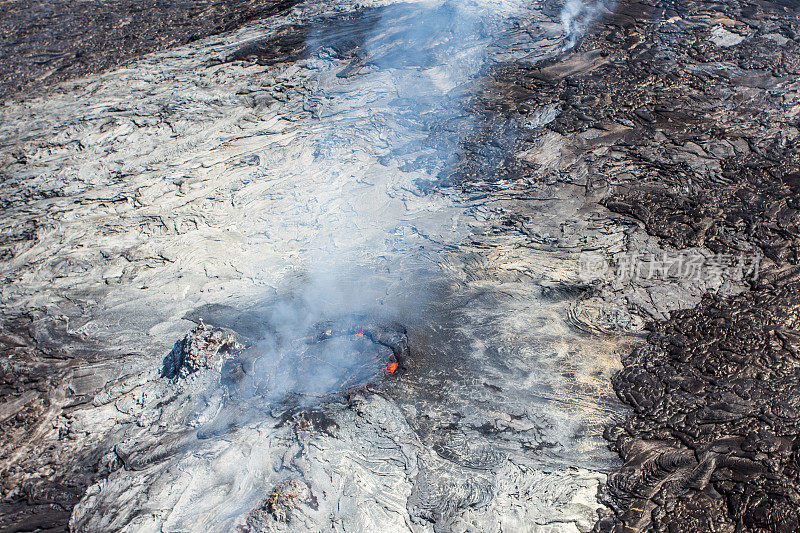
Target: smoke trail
[[406, 64], [374, 230], [577, 15]]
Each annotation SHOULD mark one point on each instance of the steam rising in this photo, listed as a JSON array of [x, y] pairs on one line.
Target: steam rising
[[291, 361], [379, 234], [376, 232], [577, 15]]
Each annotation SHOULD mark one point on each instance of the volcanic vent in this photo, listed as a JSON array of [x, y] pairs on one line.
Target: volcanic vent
[[332, 357]]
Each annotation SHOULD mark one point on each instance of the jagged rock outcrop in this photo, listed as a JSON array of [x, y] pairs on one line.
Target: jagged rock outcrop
[[203, 347]]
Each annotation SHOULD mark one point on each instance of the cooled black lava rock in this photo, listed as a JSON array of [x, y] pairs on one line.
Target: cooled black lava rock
[[705, 157], [714, 443], [687, 115], [46, 41]]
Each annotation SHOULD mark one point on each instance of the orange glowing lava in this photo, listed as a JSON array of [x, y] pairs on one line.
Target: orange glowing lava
[[392, 367], [360, 334]]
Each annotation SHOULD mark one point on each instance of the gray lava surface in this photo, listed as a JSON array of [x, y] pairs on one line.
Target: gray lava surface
[[43, 42], [504, 179]]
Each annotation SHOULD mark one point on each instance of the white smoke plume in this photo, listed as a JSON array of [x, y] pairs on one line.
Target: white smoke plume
[[577, 15], [407, 63], [375, 233]]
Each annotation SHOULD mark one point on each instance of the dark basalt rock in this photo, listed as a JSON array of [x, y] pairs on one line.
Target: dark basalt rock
[[713, 443], [31, 374], [287, 45], [716, 419], [692, 136]]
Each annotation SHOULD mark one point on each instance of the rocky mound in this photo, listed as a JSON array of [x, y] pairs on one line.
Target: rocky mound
[[203, 347]]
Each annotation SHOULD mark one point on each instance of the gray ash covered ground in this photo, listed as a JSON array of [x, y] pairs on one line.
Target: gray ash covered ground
[[703, 100], [486, 426], [43, 42]]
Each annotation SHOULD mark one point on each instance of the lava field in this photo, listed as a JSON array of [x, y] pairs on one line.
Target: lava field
[[428, 266]]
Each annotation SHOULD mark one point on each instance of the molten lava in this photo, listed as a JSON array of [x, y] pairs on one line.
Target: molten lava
[[392, 367]]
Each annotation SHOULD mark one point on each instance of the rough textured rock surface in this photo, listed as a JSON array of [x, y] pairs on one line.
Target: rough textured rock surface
[[705, 100], [43, 42], [203, 347], [215, 180], [485, 191]]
